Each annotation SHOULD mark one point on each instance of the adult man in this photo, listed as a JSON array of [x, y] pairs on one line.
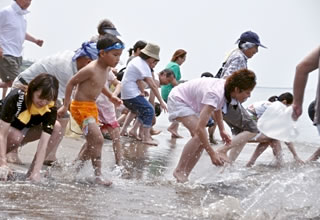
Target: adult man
[[13, 27]]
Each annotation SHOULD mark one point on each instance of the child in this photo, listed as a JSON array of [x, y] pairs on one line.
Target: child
[[107, 117], [256, 110], [28, 116], [89, 83]]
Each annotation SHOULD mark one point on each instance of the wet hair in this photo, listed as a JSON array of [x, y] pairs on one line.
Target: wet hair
[[106, 41], [287, 96], [103, 24], [157, 109], [179, 53], [167, 72], [48, 85], [242, 79], [206, 74], [138, 45]]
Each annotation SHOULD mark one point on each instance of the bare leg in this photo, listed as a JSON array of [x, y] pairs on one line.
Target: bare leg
[[173, 129], [13, 157], [259, 150], [211, 134], [134, 130], [277, 151], [237, 144], [315, 156], [116, 144], [129, 118], [147, 139], [94, 147], [191, 151]]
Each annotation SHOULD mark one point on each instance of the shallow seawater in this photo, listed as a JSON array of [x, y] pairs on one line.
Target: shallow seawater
[[149, 191]]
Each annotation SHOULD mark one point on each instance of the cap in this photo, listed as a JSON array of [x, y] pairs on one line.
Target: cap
[[252, 37]]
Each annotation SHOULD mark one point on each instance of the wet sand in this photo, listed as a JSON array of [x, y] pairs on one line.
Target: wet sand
[[149, 191]]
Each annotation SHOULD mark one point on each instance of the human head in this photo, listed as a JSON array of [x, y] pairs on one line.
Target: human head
[[106, 26], [157, 109], [206, 74], [286, 98], [240, 84], [47, 84], [110, 49], [150, 53], [249, 42], [179, 56], [24, 4], [166, 76], [85, 54], [137, 47]]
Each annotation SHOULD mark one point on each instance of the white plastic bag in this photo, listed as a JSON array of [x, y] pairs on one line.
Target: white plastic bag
[[276, 122]]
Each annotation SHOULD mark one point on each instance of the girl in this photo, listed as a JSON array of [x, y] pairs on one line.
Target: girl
[[28, 116]]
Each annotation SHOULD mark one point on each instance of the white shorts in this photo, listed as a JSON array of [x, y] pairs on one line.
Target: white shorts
[[177, 109]]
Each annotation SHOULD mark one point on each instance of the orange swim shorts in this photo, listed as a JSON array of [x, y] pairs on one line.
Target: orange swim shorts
[[82, 110]]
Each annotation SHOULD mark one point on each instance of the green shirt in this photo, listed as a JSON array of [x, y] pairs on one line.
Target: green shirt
[[165, 89]]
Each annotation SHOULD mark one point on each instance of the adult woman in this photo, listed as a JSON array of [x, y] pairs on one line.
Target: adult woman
[[193, 102], [28, 116], [177, 60]]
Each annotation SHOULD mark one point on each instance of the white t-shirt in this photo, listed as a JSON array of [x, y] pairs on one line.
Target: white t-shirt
[[137, 69], [13, 28], [59, 65], [258, 108], [199, 92]]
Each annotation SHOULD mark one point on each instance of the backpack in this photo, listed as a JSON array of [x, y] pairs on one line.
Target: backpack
[[219, 73]]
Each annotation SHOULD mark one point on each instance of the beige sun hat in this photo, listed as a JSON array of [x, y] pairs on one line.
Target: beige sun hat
[[151, 50]]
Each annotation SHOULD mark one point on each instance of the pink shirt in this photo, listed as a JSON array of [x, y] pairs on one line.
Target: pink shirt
[[199, 92]]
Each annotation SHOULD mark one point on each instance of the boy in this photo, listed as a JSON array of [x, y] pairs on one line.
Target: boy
[[90, 82]]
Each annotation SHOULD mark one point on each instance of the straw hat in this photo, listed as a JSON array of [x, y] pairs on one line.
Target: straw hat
[[151, 50]]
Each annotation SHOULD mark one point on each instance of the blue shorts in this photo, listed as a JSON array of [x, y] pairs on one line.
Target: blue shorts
[[144, 110]]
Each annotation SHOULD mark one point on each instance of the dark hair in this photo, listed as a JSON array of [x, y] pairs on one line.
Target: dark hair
[[179, 53], [140, 44], [242, 79], [287, 96], [120, 73], [157, 109], [144, 56], [167, 72], [240, 44], [206, 74], [106, 41], [105, 23], [48, 85]]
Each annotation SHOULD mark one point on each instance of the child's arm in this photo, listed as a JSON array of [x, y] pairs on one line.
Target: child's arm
[[117, 87], [75, 80], [218, 118], [141, 86], [155, 90]]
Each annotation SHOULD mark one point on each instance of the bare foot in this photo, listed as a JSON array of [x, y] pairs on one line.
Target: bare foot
[[180, 177], [213, 141], [223, 156], [14, 158], [154, 132], [5, 172], [134, 135], [150, 142], [174, 133], [123, 133], [34, 178], [100, 181], [249, 164]]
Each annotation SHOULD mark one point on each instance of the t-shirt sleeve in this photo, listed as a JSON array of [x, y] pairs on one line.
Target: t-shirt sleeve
[[9, 106], [210, 98], [49, 119]]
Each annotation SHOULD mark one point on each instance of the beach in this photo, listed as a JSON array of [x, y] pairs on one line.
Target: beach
[[149, 191]]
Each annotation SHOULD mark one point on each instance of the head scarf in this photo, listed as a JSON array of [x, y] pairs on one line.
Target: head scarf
[[88, 49]]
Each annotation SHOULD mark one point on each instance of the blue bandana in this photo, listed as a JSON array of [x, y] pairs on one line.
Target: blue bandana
[[88, 49]]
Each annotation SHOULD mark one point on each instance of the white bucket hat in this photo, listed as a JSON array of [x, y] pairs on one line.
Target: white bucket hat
[[151, 50]]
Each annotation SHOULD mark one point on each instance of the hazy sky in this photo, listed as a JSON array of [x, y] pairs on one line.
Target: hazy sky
[[206, 29]]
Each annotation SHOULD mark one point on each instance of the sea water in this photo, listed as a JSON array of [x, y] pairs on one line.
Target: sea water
[[149, 191]]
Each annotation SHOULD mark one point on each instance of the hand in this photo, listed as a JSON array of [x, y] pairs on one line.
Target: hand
[[116, 101], [225, 137], [62, 111], [164, 106], [216, 160], [39, 42], [296, 111]]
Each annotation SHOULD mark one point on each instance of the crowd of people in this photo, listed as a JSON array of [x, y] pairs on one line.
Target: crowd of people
[[84, 85]]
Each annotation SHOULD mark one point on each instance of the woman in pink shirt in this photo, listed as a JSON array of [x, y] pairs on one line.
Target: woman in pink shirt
[[192, 104]]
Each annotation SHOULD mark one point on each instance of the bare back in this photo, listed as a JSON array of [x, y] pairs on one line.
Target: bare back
[[89, 89]]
